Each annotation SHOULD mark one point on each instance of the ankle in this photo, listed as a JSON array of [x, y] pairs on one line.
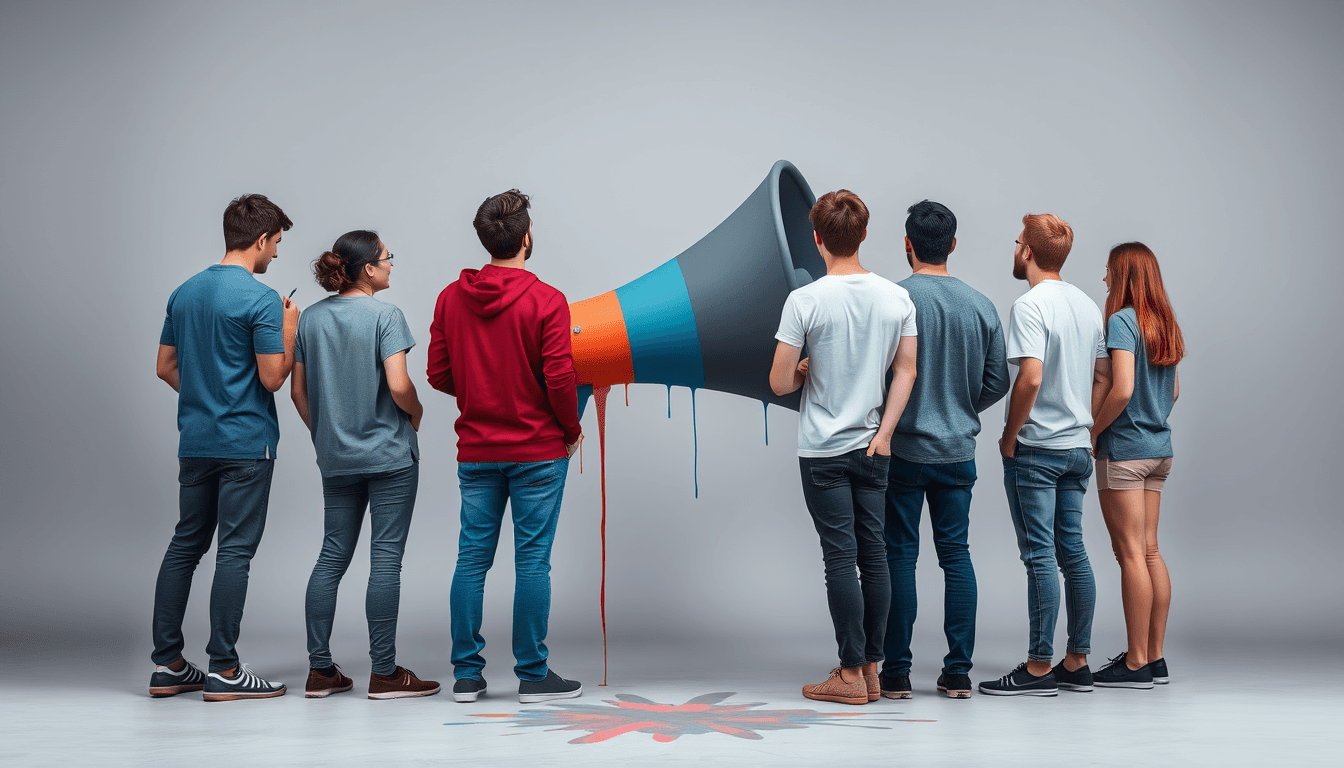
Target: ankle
[[230, 673], [1134, 662], [1075, 661], [1038, 668], [178, 665]]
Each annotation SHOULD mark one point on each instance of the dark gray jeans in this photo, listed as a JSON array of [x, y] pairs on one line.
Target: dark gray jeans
[[230, 495], [845, 495]]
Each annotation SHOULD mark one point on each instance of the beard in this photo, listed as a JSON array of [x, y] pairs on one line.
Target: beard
[[260, 268], [1019, 268], [910, 259]]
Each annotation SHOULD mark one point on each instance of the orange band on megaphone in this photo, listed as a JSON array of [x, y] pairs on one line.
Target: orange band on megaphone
[[601, 344]]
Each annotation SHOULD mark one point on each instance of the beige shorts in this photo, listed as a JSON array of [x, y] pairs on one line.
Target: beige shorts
[[1133, 475]]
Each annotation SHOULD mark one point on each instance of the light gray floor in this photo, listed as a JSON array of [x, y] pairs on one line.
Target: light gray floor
[[70, 707]]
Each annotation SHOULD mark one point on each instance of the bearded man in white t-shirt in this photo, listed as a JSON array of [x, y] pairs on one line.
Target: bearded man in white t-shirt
[[1058, 343], [855, 325]]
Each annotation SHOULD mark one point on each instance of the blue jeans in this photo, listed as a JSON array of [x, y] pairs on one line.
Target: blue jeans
[[390, 499], [1045, 495], [534, 490], [844, 496], [948, 489], [231, 496]]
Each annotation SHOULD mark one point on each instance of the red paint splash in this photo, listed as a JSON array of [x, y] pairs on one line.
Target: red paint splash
[[666, 722], [600, 397]]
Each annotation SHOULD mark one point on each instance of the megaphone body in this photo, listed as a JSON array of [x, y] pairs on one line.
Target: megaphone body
[[707, 318]]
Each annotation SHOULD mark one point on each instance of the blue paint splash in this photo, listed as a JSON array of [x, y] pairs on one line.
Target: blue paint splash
[[695, 440], [669, 401], [767, 421]]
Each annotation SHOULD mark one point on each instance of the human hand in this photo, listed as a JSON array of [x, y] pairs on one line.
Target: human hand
[[802, 366], [570, 448], [291, 311], [415, 422], [1007, 447], [880, 446]]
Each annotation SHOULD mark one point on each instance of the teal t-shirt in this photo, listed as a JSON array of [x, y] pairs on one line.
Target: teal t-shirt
[[219, 321], [1140, 431], [357, 426]]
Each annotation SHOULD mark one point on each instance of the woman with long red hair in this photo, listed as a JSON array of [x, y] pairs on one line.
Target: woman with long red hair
[[1132, 444]]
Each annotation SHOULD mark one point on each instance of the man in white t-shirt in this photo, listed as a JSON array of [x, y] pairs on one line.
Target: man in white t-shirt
[[855, 326], [1057, 340]]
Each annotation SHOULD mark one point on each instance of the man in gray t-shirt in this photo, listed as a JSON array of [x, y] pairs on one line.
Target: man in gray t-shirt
[[962, 371]]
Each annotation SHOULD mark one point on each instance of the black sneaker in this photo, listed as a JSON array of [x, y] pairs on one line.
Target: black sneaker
[[244, 685], [166, 682], [553, 687], [468, 688], [1020, 682], [1079, 680], [955, 685], [1117, 674], [1159, 667], [895, 686]]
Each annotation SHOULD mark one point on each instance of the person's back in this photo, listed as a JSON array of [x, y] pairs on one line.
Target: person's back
[[506, 334], [219, 320], [227, 344], [962, 371], [1057, 323], [500, 344], [852, 325]]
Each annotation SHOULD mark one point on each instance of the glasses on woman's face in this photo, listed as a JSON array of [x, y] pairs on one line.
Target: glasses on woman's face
[[388, 259]]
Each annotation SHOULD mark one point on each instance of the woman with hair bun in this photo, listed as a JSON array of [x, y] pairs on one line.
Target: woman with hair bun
[[1132, 443], [351, 387]]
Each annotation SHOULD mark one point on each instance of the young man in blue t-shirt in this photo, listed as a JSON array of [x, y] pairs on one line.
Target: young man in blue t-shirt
[[962, 371], [227, 345]]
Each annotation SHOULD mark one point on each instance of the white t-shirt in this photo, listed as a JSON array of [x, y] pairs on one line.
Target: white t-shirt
[[850, 326], [1059, 325]]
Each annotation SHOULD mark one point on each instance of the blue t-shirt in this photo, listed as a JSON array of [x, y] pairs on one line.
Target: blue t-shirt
[[219, 321], [1140, 431], [962, 367], [357, 426]]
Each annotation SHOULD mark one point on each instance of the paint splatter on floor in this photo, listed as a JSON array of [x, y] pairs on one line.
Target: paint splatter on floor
[[667, 722]]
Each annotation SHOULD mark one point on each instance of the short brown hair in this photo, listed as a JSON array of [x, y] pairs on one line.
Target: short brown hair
[[840, 219], [1050, 239], [248, 218], [502, 222]]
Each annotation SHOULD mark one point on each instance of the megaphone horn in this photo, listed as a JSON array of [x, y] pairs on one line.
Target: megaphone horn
[[707, 318]]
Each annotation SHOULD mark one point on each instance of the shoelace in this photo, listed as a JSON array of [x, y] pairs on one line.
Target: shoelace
[[1006, 679], [1118, 660]]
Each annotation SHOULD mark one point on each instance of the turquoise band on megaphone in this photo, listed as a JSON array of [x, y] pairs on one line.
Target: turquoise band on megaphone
[[664, 343]]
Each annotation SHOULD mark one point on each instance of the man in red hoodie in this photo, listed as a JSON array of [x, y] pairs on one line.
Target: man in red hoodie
[[500, 344]]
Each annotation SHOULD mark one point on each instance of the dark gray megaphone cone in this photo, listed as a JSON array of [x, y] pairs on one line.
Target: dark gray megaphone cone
[[707, 318]]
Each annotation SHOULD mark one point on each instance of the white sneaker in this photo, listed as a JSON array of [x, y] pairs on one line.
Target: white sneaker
[[245, 686]]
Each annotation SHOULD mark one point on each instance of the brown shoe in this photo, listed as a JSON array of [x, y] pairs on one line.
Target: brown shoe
[[836, 689], [871, 682], [401, 684], [324, 682]]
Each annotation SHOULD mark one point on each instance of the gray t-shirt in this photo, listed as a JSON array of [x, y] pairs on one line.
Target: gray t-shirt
[[1140, 431], [1059, 325], [357, 427], [962, 371]]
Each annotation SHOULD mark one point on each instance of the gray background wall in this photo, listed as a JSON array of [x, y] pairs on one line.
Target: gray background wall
[[1209, 131]]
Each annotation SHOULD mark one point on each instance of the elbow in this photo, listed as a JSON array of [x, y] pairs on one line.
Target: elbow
[[779, 389], [272, 384]]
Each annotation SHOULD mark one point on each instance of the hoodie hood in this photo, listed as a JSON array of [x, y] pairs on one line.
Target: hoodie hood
[[491, 290]]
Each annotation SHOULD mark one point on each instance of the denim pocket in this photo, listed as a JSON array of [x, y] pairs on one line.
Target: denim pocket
[[827, 475], [546, 474]]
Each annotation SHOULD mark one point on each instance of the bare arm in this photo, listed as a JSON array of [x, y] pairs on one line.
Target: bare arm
[[274, 369], [787, 373], [1028, 384], [402, 388], [1177, 394], [298, 392], [166, 367], [1112, 389], [903, 380]]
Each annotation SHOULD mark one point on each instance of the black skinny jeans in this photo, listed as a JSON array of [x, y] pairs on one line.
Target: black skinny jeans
[[846, 496]]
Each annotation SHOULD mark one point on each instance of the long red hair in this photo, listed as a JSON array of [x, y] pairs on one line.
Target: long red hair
[[1136, 281]]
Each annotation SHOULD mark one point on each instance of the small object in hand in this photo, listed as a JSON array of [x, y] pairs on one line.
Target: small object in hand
[[291, 293]]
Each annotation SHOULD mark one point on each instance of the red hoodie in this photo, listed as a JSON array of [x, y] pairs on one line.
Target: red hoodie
[[500, 344]]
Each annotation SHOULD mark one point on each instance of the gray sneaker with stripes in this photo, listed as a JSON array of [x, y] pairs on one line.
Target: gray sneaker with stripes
[[245, 684]]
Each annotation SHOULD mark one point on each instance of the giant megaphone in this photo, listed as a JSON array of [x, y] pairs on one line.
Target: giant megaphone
[[707, 318]]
